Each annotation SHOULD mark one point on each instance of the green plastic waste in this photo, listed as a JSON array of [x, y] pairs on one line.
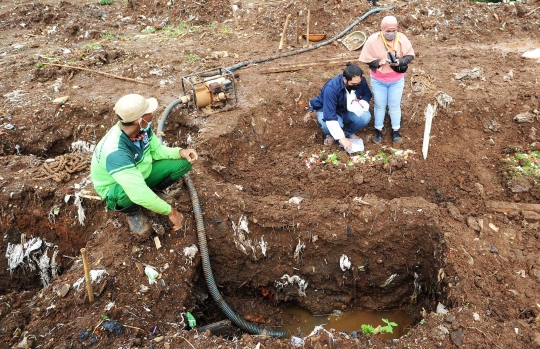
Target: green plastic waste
[[191, 320]]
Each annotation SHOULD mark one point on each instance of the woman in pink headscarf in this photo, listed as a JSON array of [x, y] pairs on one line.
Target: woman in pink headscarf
[[387, 54]]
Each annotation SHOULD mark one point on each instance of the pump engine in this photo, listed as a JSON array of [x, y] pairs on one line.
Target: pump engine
[[209, 91]]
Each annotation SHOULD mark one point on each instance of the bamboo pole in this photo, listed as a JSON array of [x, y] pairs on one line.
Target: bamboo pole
[[87, 275], [307, 30], [284, 33]]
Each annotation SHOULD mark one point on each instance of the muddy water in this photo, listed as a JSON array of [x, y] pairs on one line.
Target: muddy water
[[295, 317]]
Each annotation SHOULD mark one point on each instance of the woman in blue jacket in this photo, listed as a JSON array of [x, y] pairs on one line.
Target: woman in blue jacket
[[342, 106]]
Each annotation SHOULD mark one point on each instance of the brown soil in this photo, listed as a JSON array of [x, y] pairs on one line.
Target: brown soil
[[429, 222]]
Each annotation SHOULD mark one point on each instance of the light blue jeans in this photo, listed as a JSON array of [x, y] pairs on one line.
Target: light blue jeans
[[350, 124], [387, 94]]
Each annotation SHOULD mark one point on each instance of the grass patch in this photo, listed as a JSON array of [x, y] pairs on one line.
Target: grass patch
[[149, 30], [522, 165], [91, 47], [337, 158], [172, 31], [192, 58], [108, 36], [105, 2]]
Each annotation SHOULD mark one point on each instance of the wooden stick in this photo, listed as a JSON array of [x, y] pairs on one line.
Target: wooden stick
[[307, 30], [297, 27], [528, 13], [284, 33], [98, 72], [234, 15], [87, 275]]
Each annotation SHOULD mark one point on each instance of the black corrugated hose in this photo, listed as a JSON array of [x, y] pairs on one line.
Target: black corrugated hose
[[207, 269]]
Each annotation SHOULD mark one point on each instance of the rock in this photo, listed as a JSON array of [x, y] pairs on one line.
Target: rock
[[457, 337], [531, 216], [535, 273], [473, 224], [438, 334], [450, 318], [454, 212], [524, 117], [537, 340], [64, 290], [480, 188], [519, 185], [358, 178]]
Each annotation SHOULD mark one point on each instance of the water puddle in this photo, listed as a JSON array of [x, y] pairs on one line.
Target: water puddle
[[295, 318]]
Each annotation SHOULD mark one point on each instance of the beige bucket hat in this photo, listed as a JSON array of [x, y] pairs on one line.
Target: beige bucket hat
[[133, 106]]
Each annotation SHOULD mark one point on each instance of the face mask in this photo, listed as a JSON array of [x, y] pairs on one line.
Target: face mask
[[390, 36], [351, 87], [145, 129]]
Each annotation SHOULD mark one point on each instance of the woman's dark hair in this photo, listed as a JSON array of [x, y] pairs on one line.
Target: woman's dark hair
[[351, 71]]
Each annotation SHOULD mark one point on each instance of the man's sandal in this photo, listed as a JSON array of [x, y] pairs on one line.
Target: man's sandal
[[329, 140]]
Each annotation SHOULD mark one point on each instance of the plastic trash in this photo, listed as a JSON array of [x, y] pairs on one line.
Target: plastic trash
[[151, 273], [191, 320], [296, 341], [113, 326]]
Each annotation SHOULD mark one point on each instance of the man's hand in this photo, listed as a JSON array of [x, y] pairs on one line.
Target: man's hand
[[189, 154], [176, 219], [346, 143]]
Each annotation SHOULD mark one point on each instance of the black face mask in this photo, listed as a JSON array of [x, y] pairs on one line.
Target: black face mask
[[351, 87]]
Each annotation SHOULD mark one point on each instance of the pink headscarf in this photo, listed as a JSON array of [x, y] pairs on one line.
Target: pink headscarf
[[374, 47]]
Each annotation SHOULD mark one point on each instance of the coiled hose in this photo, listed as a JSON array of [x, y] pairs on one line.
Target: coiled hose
[[201, 234]]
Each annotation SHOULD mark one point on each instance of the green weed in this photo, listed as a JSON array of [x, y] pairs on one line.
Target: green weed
[[105, 2], [108, 36], [192, 58], [148, 30], [182, 28], [388, 328], [522, 165], [90, 47]]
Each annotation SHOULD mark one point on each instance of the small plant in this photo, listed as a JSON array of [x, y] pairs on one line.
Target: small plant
[[423, 321], [40, 65], [182, 28], [148, 30], [107, 35], [90, 47], [213, 25], [389, 326], [522, 164], [192, 58], [226, 30], [105, 2], [368, 329]]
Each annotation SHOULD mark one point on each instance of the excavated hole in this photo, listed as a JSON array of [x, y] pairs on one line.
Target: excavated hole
[[400, 258]]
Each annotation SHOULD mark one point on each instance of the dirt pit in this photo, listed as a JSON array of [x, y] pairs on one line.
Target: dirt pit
[[451, 239]]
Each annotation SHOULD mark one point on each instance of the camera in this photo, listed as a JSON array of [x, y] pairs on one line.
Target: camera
[[392, 58]]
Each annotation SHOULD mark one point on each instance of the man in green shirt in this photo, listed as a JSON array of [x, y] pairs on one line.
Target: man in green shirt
[[130, 165]]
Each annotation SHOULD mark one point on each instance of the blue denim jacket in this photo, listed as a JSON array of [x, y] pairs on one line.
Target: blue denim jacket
[[333, 100]]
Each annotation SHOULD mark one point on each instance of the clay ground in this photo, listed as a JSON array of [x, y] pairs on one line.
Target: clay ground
[[450, 229]]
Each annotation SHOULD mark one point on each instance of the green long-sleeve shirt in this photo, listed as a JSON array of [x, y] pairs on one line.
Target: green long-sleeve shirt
[[117, 159]]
